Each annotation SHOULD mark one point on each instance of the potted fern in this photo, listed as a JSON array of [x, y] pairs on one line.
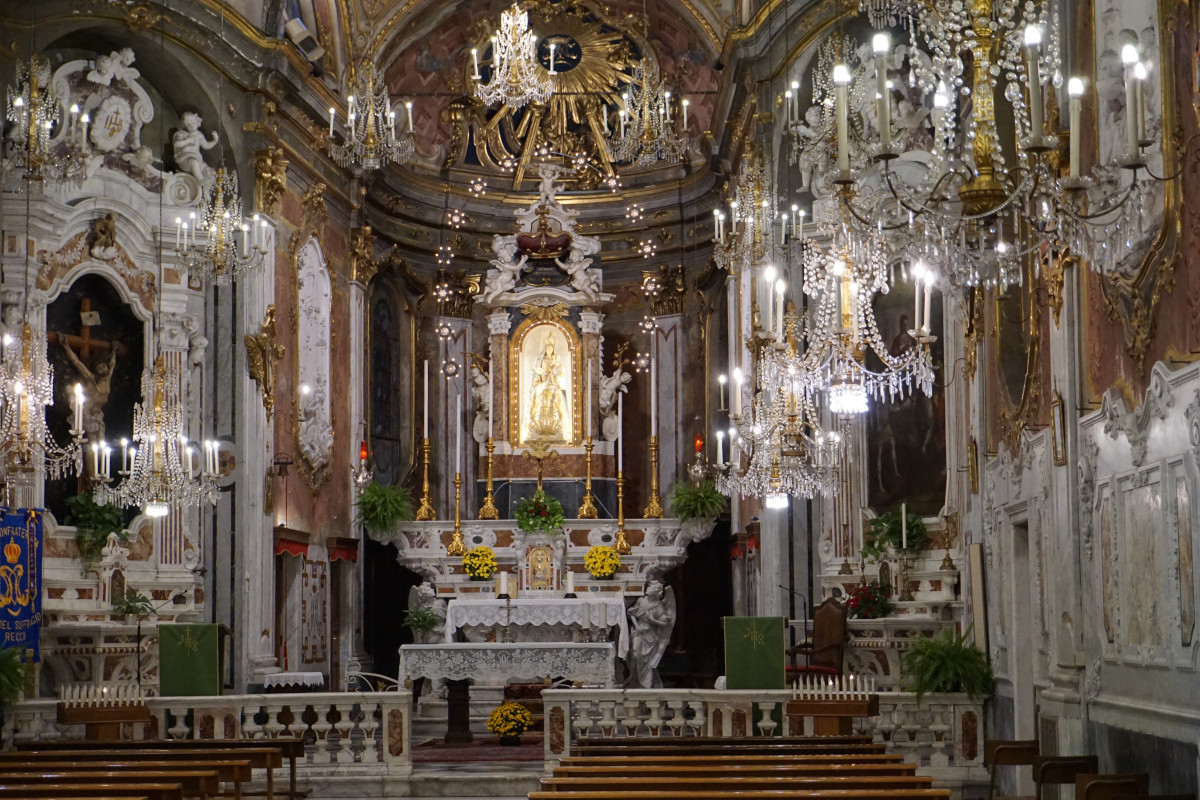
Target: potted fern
[[947, 663], [12, 676], [421, 620], [886, 531], [134, 603], [380, 507], [696, 501], [93, 522]]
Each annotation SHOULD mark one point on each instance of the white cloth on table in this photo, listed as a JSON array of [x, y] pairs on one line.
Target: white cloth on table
[[586, 662], [579, 612], [310, 679]]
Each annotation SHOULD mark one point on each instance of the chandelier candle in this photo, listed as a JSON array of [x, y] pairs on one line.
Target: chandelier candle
[[720, 449], [1129, 57], [841, 78], [780, 290], [1033, 43], [475, 63], [685, 103], [1140, 75], [904, 526], [1075, 92], [880, 45]]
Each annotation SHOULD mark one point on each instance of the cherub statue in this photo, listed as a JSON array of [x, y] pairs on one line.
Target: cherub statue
[[609, 386], [483, 403], [651, 620], [187, 143], [104, 238], [505, 272]]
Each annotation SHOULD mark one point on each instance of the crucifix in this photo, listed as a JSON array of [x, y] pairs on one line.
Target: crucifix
[[97, 379], [539, 451]]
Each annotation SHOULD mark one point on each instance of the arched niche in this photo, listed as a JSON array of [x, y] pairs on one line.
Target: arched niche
[[311, 399], [545, 369]]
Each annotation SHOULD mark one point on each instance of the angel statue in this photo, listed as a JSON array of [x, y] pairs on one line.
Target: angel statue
[[261, 354], [651, 620], [187, 143], [482, 391], [610, 385]]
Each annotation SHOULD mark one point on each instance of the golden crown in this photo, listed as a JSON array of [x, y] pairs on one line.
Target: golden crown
[[12, 551]]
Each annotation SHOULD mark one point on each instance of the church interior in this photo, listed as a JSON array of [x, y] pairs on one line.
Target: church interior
[[599, 399]]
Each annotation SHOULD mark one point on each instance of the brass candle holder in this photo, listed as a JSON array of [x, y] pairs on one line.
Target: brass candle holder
[[622, 544], [906, 595], [456, 546], [654, 509], [587, 509], [425, 510], [488, 510]]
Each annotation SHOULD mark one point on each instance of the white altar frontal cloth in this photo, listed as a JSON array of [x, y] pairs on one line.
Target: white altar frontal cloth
[[582, 612], [585, 662]]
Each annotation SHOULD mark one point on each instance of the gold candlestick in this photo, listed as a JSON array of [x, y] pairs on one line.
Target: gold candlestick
[[456, 546], [488, 510], [587, 509], [906, 594], [622, 544], [654, 509], [425, 511]]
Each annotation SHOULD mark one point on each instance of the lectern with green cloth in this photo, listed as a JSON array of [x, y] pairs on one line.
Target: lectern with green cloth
[[754, 652], [191, 659]]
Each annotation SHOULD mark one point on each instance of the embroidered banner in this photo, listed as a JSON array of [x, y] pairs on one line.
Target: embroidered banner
[[21, 578]]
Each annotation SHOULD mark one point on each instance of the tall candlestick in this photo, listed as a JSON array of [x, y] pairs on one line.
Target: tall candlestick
[[654, 394], [491, 398], [841, 78], [426, 428], [1075, 91], [589, 398], [620, 432], [458, 429]]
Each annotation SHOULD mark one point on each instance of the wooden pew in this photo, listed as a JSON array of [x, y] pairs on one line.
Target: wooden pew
[[232, 772], [754, 794], [747, 749], [266, 754], [720, 770], [619, 782], [288, 747], [731, 758], [588, 742], [151, 791], [194, 783]]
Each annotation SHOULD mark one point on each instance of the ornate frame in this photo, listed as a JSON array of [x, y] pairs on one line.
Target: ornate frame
[[1014, 419], [315, 215], [514, 377]]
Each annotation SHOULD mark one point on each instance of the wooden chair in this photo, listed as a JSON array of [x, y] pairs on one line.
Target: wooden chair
[[825, 652], [1062, 770], [1007, 753], [1108, 787]]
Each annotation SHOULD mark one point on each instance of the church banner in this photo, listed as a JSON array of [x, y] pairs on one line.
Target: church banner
[[21, 578]]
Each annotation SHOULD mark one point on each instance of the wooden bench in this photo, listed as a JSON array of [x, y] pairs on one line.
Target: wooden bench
[[150, 791], [194, 783], [232, 772], [588, 742], [754, 794], [288, 747], [617, 781], [732, 758], [756, 749], [719, 770], [1107, 787]]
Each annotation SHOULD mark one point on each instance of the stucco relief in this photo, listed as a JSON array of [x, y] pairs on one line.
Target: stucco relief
[[314, 411], [1142, 580], [1135, 424]]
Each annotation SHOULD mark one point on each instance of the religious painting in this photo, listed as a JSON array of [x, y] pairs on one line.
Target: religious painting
[[314, 410], [94, 339], [545, 368], [1186, 565], [906, 440], [1142, 578]]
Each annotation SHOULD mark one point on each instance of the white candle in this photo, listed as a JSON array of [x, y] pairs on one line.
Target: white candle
[[475, 62], [667, 105], [622, 115], [737, 393], [654, 394], [552, 46], [1129, 57], [917, 271], [880, 44], [95, 459], [178, 231], [1140, 75], [408, 110], [601, 617], [1033, 41], [458, 438], [1075, 91], [503, 582], [720, 449], [589, 398], [800, 235], [491, 398], [904, 526], [570, 582], [332, 115], [188, 462], [925, 323], [841, 77], [124, 454], [686, 103], [426, 429], [780, 289], [620, 433]]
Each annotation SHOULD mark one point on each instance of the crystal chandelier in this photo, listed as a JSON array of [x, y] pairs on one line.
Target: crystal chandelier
[[159, 471], [945, 193], [370, 133], [516, 76], [747, 241], [647, 129], [231, 246], [26, 390], [35, 112]]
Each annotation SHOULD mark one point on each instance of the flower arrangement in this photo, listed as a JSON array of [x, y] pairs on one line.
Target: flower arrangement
[[539, 513], [869, 601], [602, 561], [510, 719], [479, 563]]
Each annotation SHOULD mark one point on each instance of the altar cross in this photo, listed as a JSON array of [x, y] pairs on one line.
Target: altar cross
[[539, 451]]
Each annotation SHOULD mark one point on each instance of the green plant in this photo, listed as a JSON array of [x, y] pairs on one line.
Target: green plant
[[380, 507], [539, 513], [93, 523], [869, 601], [886, 530], [421, 619], [12, 675], [133, 604], [510, 719], [946, 663], [696, 501]]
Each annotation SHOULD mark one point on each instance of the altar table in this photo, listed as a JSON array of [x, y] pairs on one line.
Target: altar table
[[459, 662], [582, 612]]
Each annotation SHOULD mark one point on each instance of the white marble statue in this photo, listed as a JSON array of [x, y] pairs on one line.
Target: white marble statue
[[505, 273], [584, 279], [609, 386], [187, 143], [425, 596], [316, 431], [483, 403], [117, 64], [651, 620]]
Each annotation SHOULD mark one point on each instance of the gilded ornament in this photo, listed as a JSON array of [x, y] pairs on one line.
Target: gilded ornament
[[262, 352], [545, 313], [270, 179], [362, 247]]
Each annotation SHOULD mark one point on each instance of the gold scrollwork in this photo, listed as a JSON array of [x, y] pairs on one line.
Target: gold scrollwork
[[362, 249], [270, 179], [262, 351]]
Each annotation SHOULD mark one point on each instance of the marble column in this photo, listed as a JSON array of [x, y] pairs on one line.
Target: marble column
[[499, 325], [349, 625]]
